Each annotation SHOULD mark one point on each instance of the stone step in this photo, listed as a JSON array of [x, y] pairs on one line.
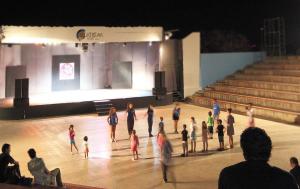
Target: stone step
[[253, 71], [260, 112], [270, 78], [282, 60], [264, 85], [266, 93], [276, 66], [286, 105]]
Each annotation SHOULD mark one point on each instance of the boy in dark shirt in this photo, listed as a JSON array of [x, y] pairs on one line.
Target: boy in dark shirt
[[184, 134], [220, 131]]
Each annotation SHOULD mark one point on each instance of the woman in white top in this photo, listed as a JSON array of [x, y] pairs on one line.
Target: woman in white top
[[250, 114], [42, 176]]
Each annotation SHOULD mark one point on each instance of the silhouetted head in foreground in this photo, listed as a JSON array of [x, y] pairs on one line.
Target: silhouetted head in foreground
[[256, 144], [294, 162], [6, 148], [32, 153]]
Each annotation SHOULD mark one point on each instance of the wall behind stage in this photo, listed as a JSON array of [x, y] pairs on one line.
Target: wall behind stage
[[216, 66], [95, 64], [8, 57]]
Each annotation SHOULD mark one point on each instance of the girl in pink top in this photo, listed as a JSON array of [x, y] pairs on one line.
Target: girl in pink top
[[134, 145], [72, 138], [161, 138]]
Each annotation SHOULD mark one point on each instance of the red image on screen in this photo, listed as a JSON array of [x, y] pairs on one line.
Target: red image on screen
[[66, 71]]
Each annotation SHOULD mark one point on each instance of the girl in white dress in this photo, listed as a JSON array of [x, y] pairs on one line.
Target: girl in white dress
[[86, 147], [193, 135], [250, 114]]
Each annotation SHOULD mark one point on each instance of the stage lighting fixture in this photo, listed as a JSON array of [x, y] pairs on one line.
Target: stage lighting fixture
[[169, 33], [85, 47]]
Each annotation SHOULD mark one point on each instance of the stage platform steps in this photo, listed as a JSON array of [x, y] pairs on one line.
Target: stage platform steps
[[177, 96], [272, 86], [102, 107]]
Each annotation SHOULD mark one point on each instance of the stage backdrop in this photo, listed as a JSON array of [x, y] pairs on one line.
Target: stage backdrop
[[95, 65]]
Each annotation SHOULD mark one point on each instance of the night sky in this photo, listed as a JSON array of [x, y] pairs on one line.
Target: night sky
[[242, 16]]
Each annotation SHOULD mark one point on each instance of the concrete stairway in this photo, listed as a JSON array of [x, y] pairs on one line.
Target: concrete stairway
[[272, 86]]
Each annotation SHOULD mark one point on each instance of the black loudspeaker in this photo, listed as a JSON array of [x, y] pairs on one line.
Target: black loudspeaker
[[25, 88], [18, 88], [159, 82], [21, 99]]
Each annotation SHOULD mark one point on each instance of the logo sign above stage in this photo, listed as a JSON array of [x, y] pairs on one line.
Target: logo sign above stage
[[81, 34], [92, 36]]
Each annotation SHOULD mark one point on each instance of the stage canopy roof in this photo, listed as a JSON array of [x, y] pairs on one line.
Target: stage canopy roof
[[79, 34]]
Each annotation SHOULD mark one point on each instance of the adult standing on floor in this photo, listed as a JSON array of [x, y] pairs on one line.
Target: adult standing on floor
[[112, 120], [130, 118], [166, 155], [150, 115], [8, 174], [176, 116]]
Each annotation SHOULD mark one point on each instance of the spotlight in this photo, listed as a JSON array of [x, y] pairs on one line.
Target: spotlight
[[150, 43], [85, 47], [168, 35]]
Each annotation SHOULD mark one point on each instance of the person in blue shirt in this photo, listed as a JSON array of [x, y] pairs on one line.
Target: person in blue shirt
[[216, 110], [112, 120], [176, 115]]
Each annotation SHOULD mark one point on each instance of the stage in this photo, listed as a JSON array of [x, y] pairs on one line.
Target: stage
[[80, 102]]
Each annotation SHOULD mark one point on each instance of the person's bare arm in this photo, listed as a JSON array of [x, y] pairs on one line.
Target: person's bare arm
[[45, 168]]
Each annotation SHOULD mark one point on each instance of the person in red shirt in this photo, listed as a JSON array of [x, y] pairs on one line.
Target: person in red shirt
[[72, 138], [134, 145]]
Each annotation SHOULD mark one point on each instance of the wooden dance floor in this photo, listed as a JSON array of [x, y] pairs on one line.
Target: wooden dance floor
[[110, 165]]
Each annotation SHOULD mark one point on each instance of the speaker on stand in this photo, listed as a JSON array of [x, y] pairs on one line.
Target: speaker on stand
[[21, 99], [159, 81]]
